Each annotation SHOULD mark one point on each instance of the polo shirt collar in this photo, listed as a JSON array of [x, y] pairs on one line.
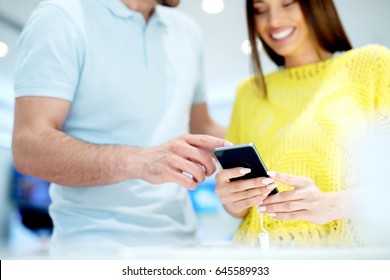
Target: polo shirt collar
[[120, 10]]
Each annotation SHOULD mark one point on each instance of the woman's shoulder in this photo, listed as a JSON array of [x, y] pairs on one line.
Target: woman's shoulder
[[374, 49], [249, 86], [249, 89], [364, 62], [368, 53], [247, 82]]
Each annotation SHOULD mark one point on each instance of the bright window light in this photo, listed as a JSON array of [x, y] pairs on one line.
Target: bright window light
[[246, 47], [213, 6], [3, 49]]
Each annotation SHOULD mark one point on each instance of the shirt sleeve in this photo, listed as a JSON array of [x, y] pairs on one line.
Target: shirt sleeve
[[49, 55]]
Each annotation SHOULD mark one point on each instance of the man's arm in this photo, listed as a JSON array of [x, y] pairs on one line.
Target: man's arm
[[202, 123], [41, 149]]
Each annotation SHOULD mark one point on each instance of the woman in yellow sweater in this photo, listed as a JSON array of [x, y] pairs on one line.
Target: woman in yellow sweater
[[301, 119]]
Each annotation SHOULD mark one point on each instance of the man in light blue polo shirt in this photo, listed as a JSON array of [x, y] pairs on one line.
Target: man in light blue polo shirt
[[106, 94]]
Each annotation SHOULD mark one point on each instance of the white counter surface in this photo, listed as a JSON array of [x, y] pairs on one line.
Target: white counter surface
[[224, 252]]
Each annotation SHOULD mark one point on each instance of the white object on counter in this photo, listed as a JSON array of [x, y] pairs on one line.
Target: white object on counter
[[263, 237]]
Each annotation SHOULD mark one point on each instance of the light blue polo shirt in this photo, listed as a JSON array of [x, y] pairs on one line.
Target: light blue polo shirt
[[130, 83]]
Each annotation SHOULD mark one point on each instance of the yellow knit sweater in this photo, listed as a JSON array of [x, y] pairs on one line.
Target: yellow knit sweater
[[303, 128]]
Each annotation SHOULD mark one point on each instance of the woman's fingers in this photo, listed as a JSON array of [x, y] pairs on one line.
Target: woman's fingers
[[242, 189], [286, 207], [226, 175], [247, 203], [242, 194], [291, 180], [284, 197], [296, 215], [306, 202], [232, 197]]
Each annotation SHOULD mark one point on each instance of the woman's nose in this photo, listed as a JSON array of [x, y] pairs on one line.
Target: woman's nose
[[275, 17]]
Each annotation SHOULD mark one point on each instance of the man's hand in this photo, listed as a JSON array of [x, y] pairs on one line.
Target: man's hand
[[186, 153], [42, 150]]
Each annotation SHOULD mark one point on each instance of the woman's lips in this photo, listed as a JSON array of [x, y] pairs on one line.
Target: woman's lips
[[281, 35]]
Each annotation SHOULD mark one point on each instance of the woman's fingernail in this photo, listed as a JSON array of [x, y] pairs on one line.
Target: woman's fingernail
[[271, 173], [271, 214], [227, 143], [244, 171], [272, 186], [261, 208], [267, 181]]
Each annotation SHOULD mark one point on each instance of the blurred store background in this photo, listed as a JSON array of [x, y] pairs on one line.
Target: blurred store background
[[25, 226]]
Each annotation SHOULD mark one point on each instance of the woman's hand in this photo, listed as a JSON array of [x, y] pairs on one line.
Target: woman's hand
[[238, 196], [306, 202]]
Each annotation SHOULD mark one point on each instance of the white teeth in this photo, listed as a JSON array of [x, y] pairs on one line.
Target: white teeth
[[283, 34]]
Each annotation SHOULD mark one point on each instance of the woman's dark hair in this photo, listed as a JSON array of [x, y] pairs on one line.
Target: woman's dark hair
[[323, 21]]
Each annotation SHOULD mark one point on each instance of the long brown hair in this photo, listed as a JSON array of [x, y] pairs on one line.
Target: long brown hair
[[323, 21]]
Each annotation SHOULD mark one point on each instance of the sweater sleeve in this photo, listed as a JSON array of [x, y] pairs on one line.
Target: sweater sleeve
[[381, 76], [237, 132], [233, 131]]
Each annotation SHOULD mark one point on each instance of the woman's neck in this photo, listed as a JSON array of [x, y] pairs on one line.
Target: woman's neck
[[306, 58]]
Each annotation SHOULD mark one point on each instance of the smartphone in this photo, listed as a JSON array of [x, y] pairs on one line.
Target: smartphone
[[242, 155]]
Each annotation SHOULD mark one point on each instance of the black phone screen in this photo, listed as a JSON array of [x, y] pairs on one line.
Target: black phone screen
[[243, 155]]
